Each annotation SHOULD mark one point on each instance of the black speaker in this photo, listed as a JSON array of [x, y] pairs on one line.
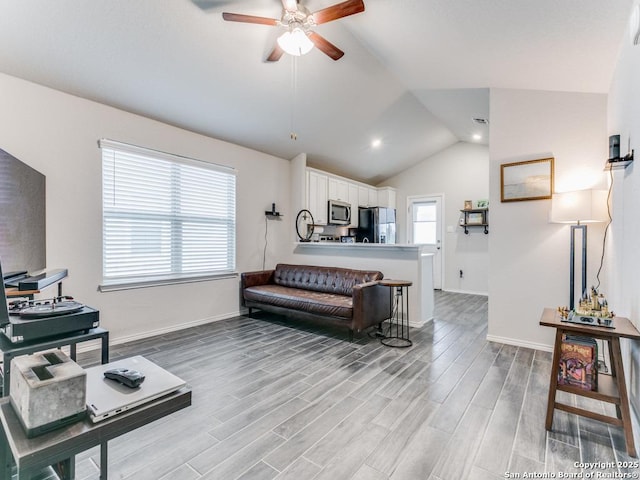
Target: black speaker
[[614, 146]]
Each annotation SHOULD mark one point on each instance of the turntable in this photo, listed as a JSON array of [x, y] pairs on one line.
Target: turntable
[[49, 308], [27, 320]]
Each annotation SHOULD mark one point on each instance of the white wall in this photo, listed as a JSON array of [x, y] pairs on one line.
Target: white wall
[[460, 172], [57, 134], [623, 252], [528, 256]]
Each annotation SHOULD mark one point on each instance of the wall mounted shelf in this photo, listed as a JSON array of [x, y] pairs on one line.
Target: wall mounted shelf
[[620, 164], [475, 217]]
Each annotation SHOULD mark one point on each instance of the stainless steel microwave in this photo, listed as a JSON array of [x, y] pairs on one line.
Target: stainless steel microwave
[[339, 213]]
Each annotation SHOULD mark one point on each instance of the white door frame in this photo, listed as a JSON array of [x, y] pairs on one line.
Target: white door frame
[[438, 197]]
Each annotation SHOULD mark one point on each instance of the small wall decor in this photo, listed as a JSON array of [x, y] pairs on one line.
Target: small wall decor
[[475, 219], [528, 180]]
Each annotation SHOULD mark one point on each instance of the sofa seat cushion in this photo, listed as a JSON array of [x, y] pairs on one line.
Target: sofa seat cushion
[[321, 303]]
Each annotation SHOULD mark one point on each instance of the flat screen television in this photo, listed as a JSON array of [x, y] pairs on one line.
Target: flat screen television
[[22, 216]]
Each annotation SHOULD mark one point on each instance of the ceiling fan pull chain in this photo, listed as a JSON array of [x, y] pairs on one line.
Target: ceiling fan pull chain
[[294, 89]]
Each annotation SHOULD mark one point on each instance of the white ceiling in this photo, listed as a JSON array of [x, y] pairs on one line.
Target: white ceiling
[[414, 74]]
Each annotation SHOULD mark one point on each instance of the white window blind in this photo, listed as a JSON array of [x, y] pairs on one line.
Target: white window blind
[[165, 218]]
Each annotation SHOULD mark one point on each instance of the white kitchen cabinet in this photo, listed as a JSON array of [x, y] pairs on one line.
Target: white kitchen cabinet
[[367, 196], [353, 200], [387, 197], [338, 189], [317, 190], [363, 196], [373, 197]]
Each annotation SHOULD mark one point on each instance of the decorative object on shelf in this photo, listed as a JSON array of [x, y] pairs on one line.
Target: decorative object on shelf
[[304, 225], [468, 204], [593, 309], [482, 204], [594, 305], [614, 147], [475, 217], [578, 208], [615, 161], [578, 362], [272, 213], [528, 180]]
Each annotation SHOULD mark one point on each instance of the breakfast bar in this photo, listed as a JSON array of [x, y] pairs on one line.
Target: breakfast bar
[[395, 261]]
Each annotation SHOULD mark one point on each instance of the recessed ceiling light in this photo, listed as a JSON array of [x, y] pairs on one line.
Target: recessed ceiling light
[[376, 142], [477, 136]]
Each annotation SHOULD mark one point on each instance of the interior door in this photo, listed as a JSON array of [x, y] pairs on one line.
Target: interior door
[[425, 228]]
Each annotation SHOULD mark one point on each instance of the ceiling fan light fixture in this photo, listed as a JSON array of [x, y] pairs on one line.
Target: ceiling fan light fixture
[[295, 42]]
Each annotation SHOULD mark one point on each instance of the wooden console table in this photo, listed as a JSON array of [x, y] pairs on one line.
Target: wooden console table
[[611, 389]]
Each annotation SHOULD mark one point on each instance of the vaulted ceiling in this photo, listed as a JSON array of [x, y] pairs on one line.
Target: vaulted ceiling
[[414, 74]]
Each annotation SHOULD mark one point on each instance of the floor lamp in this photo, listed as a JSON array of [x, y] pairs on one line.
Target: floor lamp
[[578, 208]]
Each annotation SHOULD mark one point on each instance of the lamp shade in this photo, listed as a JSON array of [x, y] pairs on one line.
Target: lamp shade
[[582, 206], [295, 42]]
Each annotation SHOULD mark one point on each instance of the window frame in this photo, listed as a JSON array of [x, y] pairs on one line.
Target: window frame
[[177, 163]]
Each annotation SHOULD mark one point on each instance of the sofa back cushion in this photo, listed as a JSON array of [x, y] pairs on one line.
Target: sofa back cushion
[[323, 279]]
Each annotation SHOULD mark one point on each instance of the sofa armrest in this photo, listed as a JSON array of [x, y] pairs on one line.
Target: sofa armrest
[[251, 279], [371, 305]]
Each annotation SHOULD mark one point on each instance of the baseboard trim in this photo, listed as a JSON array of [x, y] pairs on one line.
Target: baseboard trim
[[420, 323], [520, 343], [467, 292], [96, 344]]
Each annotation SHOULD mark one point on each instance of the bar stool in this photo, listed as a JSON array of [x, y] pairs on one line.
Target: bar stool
[[399, 315]]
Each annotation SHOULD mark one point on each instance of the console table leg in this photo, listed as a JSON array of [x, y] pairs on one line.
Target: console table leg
[[6, 364], [103, 461], [105, 348], [553, 382], [624, 399], [66, 469], [6, 460]]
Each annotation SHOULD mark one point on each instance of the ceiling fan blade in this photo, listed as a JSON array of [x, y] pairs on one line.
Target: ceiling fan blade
[[290, 5], [326, 46], [211, 4], [275, 54], [339, 10], [238, 17]]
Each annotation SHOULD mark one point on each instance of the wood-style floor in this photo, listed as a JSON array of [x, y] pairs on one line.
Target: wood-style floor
[[273, 400]]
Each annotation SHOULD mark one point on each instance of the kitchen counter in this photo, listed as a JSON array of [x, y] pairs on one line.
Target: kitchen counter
[[397, 246], [395, 261]]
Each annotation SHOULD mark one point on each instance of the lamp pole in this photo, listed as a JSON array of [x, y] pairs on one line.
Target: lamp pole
[[572, 263]]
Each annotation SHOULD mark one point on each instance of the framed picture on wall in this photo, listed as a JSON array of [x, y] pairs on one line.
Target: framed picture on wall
[[528, 180], [475, 219]]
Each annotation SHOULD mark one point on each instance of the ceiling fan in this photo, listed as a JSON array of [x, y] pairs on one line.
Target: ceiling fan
[[299, 37]]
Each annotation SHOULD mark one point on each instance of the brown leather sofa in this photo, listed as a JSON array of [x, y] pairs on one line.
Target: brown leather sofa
[[339, 296]]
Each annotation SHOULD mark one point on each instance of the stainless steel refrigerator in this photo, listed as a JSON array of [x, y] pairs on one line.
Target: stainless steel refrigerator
[[376, 225]]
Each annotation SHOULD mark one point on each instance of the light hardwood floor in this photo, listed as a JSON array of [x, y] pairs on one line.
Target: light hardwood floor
[[272, 400]]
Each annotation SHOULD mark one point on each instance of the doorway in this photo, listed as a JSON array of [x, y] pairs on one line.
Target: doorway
[[425, 228]]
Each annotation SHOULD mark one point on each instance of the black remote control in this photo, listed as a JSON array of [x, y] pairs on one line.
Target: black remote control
[[130, 378]]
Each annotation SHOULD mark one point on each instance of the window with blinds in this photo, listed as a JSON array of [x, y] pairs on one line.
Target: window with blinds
[[166, 218]]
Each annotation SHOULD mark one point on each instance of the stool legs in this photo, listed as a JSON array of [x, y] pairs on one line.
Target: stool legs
[[398, 317]]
